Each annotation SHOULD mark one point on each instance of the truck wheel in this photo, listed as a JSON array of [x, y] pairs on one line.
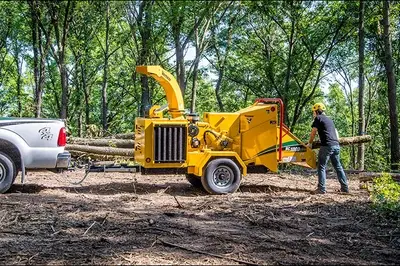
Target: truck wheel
[[221, 176], [7, 172], [194, 180]]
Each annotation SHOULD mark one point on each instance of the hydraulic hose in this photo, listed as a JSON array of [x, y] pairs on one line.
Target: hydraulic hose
[[209, 131]]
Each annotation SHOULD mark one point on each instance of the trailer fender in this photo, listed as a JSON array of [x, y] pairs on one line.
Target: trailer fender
[[197, 162]]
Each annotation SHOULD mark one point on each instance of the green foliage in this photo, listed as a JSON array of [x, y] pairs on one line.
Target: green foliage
[[386, 195], [300, 51], [206, 101]]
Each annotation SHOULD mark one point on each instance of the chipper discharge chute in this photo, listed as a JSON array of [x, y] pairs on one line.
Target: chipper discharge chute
[[216, 152]]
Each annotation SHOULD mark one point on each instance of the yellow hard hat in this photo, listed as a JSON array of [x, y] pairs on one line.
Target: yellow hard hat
[[319, 106]]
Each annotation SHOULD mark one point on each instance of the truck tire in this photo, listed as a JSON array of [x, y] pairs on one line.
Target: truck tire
[[221, 176], [194, 180], [7, 172]]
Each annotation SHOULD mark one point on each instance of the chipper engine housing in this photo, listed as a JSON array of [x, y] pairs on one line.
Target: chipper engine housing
[[216, 152]]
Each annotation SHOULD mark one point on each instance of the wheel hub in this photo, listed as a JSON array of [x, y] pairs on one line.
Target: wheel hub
[[222, 176]]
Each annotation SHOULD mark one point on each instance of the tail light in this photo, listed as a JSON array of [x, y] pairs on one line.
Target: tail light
[[62, 137]]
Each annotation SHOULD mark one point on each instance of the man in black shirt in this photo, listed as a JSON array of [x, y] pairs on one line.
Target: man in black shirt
[[329, 148]]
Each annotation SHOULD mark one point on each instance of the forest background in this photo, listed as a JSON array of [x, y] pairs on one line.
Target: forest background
[[76, 60]]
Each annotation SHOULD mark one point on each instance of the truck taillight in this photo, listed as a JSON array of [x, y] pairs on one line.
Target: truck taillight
[[62, 137]]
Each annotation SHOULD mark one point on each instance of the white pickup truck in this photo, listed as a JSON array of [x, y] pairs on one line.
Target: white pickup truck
[[27, 143]]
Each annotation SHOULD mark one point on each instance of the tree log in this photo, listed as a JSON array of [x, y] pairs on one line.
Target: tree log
[[347, 141], [98, 157], [117, 143], [370, 176], [100, 150], [130, 135]]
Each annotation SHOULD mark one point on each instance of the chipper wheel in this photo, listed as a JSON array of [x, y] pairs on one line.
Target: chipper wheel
[[221, 176]]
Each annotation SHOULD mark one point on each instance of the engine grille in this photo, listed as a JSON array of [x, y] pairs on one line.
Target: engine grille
[[170, 143]]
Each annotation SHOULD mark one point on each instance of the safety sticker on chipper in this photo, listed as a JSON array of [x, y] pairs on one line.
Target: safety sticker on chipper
[[289, 159], [298, 148]]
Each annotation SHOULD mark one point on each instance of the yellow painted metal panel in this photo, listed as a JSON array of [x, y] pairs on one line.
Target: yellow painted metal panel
[[140, 140], [144, 142], [295, 151], [259, 138], [226, 124], [258, 114]]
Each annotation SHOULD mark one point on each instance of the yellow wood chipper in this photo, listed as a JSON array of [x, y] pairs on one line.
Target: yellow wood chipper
[[216, 152]]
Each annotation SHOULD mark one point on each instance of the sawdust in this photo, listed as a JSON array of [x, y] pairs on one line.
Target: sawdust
[[125, 218]]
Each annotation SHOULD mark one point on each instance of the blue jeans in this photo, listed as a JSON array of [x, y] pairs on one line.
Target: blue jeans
[[333, 153]]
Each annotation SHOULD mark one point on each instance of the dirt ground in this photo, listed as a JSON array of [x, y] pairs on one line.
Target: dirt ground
[[127, 218]]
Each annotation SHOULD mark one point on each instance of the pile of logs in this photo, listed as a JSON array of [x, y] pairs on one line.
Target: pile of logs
[[116, 147], [120, 146]]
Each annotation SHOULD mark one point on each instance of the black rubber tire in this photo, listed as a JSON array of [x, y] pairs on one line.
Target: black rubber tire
[[221, 176], [194, 180], [7, 172]]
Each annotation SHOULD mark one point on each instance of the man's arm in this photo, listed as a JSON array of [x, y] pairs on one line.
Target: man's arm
[[312, 135]]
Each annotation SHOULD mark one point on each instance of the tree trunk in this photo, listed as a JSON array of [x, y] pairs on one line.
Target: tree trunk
[[100, 150], [394, 132], [361, 87], [40, 53], [59, 55], [218, 88], [353, 150], [349, 95], [145, 99], [44, 51], [42, 78], [201, 43], [177, 22], [370, 176], [64, 87], [178, 18], [194, 82], [87, 107], [180, 62], [144, 24], [117, 143], [289, 61], [80, 128], [124, 136], [101, 157], [105, 72], [35, 43], [222, 62], [18, 65], [345, 141], [77, 106]]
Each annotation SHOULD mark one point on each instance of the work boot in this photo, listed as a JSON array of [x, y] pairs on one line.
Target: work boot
[[317, 191]]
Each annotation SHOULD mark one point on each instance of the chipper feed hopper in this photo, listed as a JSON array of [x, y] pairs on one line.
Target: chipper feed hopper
[[216, 152]]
